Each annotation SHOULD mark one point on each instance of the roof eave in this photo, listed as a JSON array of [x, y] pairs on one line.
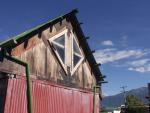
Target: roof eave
[[37, 28]]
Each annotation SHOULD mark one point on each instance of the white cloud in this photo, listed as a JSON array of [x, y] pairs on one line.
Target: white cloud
[[140, 62], [140, 66], [138, 69], [112, 54], [107, 43], [134, 60]]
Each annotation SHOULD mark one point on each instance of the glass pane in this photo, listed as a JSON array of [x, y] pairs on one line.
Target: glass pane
[[61, 52], [75, 60], [60, 40], [75, 47]]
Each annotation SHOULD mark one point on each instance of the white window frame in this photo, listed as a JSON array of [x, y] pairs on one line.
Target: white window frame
[[72, 59], [51, 41], [72, 37]]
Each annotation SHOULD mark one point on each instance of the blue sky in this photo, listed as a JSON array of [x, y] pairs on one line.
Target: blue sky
[[119, 31]]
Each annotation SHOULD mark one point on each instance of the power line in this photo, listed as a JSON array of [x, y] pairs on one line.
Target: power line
[[124, 93]]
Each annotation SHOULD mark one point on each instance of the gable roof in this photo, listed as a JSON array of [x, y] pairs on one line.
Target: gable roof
[[12, 42]]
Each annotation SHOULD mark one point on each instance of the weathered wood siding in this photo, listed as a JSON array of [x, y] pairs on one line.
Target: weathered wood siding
[[44, 65]]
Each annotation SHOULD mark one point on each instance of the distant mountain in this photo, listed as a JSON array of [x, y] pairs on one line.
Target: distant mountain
[[117, 100]]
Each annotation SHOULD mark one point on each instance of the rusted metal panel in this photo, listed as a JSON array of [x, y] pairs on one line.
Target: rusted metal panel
[[16, 101], [48, 98]]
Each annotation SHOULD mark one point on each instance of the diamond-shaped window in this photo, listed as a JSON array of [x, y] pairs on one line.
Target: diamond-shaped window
[[60, 40], [67, 51], [76, 53], [59, 45]]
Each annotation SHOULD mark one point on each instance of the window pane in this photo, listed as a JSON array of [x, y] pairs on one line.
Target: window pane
[[61, 52], [75, 47], [60, 40], [75, 60]]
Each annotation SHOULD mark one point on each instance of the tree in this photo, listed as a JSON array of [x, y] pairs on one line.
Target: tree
[[132, 101]]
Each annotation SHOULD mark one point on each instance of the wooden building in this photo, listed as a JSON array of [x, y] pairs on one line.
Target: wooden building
[[56, 51]]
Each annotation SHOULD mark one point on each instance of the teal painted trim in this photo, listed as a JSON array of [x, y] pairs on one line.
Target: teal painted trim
[[28, 83]]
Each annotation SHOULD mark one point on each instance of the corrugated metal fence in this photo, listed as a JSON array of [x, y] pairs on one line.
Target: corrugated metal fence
[[48, 98]]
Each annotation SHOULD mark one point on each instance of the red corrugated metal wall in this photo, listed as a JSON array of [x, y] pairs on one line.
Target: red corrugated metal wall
[[48, 98]]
